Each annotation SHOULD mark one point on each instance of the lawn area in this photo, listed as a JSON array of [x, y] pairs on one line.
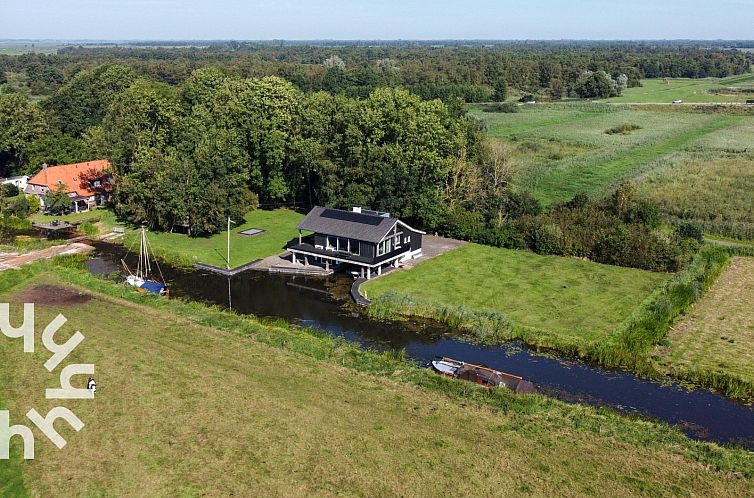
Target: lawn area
[[578, 300], [279, 228], [688, 90], [559, 150], [187, 410], [718, 333]]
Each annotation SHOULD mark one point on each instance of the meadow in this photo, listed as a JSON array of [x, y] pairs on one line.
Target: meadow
[[717, 335], [192, 401], [578, 301], [705, 90], [560, 150]]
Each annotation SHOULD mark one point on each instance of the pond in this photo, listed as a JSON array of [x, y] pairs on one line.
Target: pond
[[308, 301]]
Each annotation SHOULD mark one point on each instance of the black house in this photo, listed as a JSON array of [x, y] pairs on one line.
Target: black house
[[369, 240]]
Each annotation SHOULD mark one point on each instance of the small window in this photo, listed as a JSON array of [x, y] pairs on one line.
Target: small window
[[407, 239]]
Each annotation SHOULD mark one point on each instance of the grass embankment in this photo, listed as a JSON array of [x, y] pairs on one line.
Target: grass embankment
[[717, 336], [184, 407], [279, 228], [615, 320]]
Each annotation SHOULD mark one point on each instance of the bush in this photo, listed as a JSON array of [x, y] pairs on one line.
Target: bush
[[623, 129], [505, 107], [88, 228], [9, 190], [545, 238], [687, 230], [34, 203]]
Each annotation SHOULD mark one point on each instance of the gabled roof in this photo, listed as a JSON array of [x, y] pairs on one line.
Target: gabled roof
[[360, 226], [70, 175]]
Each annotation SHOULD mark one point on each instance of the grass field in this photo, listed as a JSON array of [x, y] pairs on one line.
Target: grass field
[[563, 149], [688, 90], [279, 227], [183, 409], [718, 333], [580, 300]]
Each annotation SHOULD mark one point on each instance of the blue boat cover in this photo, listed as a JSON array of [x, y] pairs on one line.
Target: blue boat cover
[[153, 287]]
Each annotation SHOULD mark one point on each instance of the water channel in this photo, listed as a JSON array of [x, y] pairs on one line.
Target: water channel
[[308, 302]]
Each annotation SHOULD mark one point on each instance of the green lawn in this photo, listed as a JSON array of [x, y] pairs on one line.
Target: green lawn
[[279, 226], [688, 90], [580, 300], [185, 409]]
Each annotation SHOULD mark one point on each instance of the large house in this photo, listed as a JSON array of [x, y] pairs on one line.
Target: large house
[[87, 184], [18, 181], [368, 240]]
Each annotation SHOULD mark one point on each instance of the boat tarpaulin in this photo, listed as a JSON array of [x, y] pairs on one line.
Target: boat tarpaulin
[[153, 287]]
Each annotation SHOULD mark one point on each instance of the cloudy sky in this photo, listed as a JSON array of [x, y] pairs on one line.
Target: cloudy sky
[[386, 19]]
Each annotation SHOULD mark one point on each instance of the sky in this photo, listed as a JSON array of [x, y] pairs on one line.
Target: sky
[[372, 20]]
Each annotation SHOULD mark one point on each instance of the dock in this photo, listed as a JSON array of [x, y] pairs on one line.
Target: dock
[[356, 295], [225, 271]]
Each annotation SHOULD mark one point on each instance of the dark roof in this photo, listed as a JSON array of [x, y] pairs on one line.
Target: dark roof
[[359, 226]]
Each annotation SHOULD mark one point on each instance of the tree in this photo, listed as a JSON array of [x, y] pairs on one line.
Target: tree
[[598, 85], [21, 123], [57, 201], [501, 90], [84, 100], [334, 61]]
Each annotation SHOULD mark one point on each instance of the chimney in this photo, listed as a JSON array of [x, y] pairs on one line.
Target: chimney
[[357, 209], [44, 165]]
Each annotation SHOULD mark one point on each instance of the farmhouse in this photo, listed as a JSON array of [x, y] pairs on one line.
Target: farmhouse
[[87, 184], [368, 240]]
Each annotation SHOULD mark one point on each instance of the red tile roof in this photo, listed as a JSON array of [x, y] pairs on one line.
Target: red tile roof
[[70, 175]]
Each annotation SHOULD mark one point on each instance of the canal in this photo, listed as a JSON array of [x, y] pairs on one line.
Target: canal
[[308, 302]]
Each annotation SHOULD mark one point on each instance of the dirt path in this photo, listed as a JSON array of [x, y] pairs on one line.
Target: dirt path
[[15, 260]]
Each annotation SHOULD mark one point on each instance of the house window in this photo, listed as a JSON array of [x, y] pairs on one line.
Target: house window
[[407, 239], [384, 247], [332, 243]]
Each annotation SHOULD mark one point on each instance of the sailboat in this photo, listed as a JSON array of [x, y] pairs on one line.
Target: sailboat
[[143, 279]]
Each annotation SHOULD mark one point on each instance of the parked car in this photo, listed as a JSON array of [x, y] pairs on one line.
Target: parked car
[[679, 101]]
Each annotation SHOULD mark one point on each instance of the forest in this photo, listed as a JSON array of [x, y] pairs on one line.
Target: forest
[[199, 134]]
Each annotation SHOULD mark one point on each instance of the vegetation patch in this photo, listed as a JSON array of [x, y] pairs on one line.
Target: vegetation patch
[[577, 299], [175, 356], [717, 335], [623, 129]]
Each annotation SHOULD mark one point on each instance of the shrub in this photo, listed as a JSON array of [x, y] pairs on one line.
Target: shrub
[[688, 230], [545, 238], [34, 203], [9, 190], [623, 129], [504, 107], [88, 228]]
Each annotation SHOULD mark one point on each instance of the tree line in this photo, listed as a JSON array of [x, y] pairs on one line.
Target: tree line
[[473, 72]]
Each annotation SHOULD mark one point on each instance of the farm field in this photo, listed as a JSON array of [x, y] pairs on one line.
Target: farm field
[[718, 333], [688, 90], [187, 410], [576, 299], [559, 150]]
